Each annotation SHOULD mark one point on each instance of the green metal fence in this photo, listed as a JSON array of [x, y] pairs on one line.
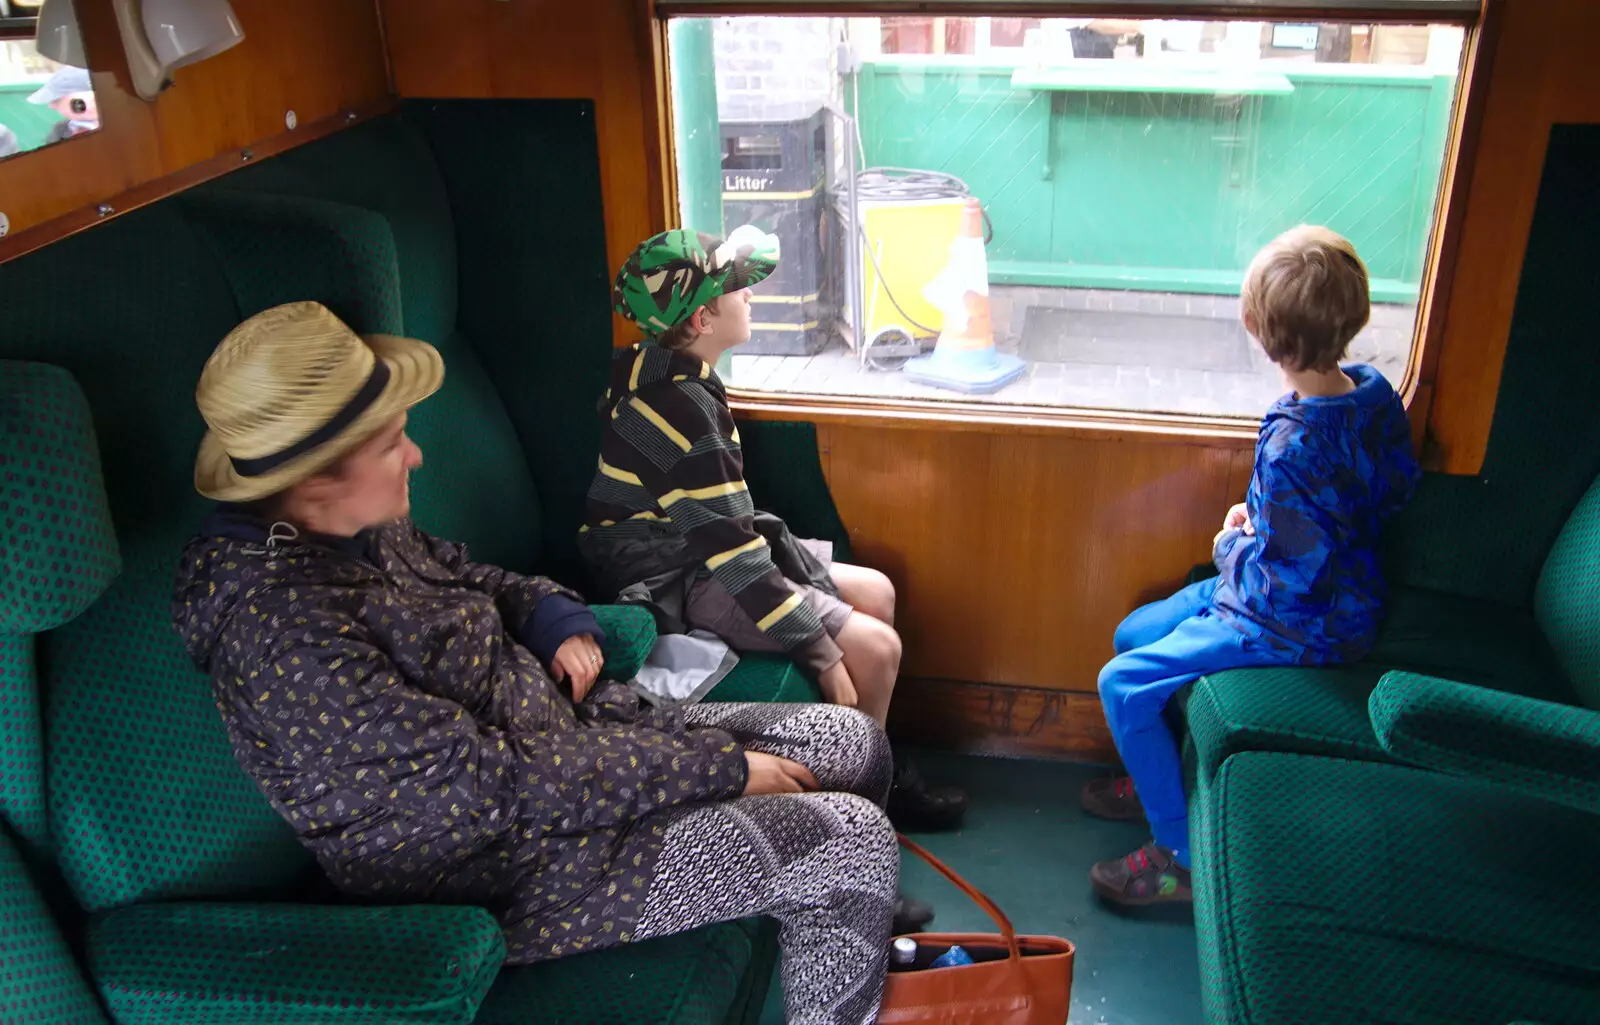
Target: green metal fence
[[1114, 174]]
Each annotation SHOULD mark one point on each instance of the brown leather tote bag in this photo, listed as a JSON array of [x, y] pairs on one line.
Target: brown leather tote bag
[[1016, 980]]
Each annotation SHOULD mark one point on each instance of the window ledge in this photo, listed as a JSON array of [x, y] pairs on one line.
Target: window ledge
[[1230, 432]]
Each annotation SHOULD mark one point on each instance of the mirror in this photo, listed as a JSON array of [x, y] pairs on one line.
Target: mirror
[[42, 101]]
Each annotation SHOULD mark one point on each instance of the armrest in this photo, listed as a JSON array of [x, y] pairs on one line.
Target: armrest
[[630, 635], [268, 963], [1544, 749]]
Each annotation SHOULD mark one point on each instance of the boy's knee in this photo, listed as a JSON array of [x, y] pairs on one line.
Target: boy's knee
[[878, 597], [875, 640]]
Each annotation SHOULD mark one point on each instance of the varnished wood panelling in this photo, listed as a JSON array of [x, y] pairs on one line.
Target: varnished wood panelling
[[1015, 556], [598, 50], [315, 57], [1012, 721], [1542, 74]]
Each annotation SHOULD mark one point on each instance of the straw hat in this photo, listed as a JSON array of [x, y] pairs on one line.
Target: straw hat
[[292, 389]]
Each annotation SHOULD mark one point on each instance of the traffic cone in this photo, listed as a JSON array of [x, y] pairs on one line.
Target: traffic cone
[[964, 359]]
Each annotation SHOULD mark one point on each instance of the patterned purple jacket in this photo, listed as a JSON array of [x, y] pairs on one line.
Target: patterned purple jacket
[[376, 692]]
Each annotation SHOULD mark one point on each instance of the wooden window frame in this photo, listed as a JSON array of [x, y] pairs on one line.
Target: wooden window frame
[[1418, 387]]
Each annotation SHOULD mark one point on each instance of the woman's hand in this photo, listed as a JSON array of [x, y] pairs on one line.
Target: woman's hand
[[579, 660], [770, 774], [837, 686]]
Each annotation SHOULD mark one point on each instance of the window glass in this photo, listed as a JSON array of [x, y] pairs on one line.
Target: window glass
[[1125, 172]]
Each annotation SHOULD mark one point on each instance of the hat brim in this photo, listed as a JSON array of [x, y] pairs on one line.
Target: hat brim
[[752, 267], [415, 372], [43, 95]]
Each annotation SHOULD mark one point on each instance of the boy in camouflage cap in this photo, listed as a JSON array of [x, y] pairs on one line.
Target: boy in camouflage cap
[[669, 508]]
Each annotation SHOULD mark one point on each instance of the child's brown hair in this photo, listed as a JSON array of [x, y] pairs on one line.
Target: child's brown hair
[[1305, 297], [682, 334]]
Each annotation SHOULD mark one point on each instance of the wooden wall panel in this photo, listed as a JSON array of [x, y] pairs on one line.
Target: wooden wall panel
[[316, 57], [1016, 556], [597, 50], [1541, 74]]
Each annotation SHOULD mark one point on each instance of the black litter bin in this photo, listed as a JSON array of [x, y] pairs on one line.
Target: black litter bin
[[774, 176]]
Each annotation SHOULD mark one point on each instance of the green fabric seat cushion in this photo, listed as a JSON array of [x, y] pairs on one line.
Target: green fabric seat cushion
[[58, 553], [1567, 600], [696, 978], [1323, 710], [1356, 891], [58, 550], [241, 964], [40, 983], [760, 677]]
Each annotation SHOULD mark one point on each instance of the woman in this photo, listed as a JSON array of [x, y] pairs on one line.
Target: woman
[[403, 707]]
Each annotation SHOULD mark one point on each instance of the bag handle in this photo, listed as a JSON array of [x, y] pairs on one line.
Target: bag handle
[[978, 896]]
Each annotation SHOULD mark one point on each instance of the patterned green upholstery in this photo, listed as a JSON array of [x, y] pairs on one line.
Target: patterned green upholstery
[[260, 964], [58, 553], [1324, 710], [40, 983], [1383, 893], [146, 802], [766, 678], [784, 470], [274, 249], [692, 978], [535, 285], [1546, 750], [630, 634], [1567, 601], [1487, 536]]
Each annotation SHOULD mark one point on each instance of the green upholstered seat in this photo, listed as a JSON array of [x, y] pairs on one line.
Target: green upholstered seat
[[260, 964], [149, 813], [1362, 892], [58, 553], [40, 982], [766, 678]]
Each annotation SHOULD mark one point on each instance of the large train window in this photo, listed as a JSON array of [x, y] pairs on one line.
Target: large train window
[[1056, 212]]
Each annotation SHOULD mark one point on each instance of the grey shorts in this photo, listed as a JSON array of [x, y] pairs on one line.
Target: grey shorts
[[712, 608]]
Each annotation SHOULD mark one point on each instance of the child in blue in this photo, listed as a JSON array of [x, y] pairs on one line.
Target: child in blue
[[1300, 582]]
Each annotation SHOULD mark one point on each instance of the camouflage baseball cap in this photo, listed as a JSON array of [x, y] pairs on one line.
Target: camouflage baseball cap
[[676, 272]]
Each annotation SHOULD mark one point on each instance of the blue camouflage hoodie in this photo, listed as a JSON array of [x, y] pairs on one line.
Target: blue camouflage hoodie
[[1328, 473]]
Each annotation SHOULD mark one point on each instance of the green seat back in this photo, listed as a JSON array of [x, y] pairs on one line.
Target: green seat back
[[145, 797], [1567, 600], [39, 980], [1363, 892], [58, 553], [475, 486]]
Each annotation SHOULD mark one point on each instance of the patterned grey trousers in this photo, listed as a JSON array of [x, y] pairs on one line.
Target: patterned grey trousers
[[825, 865]]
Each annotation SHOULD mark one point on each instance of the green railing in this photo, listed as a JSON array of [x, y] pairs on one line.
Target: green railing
[[1115, 174]]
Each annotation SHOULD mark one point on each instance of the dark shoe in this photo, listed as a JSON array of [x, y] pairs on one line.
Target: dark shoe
[[911, 915], [916, 807], [1112, 797], [1150, 875]]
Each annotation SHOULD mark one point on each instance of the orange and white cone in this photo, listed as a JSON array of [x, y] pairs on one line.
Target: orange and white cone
[[965, 358]]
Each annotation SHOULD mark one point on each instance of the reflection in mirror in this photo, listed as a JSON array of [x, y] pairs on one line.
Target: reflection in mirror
[[41, 101]]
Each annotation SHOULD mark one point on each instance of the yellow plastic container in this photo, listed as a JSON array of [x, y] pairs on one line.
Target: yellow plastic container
[[911, 241]]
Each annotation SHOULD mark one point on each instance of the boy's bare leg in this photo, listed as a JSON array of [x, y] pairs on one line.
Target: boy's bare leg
[[871, 647], [865, 590]]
